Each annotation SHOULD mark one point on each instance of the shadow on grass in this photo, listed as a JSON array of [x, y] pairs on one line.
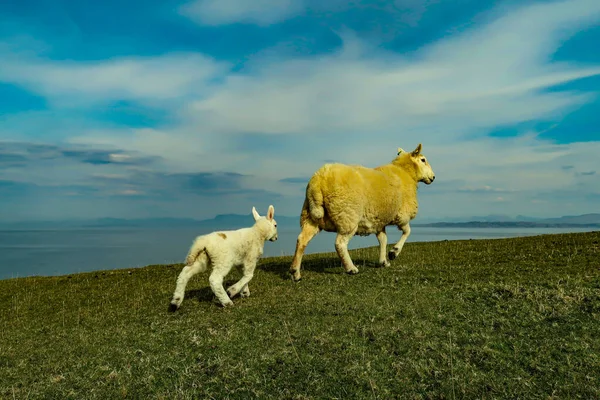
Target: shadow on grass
[[366, 263], [326, 264], [282, 268], [204, 294]]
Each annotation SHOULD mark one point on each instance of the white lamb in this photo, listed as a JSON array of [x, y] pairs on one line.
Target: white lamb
[[223, 250]]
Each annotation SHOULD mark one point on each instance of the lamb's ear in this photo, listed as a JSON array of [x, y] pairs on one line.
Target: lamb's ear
[[417, 151], [271, 212], [255, 214], [400, 150]]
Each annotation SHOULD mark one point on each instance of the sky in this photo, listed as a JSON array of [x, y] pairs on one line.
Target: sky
[[191, 109]]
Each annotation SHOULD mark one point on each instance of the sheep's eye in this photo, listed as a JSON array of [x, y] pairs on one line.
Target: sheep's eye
[[422, 159], [275, 225]]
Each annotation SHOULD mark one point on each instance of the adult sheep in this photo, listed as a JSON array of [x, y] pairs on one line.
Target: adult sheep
[[356, 200]]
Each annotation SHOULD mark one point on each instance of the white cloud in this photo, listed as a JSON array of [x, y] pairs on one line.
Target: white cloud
[[359, 104], [260, 12], [446, 96], [147, 79], [267, 12], [494, 74]]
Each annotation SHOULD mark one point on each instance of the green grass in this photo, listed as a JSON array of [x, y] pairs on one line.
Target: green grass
[[480, 319]]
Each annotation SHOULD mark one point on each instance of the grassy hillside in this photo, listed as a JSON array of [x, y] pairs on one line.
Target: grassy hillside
[[507, 318]]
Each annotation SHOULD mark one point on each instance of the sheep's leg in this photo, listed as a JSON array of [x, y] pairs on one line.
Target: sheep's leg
[[216, 284], [395, 252], [309, 230], [341, 246], [243, 282], [186, 273], [382, 238]]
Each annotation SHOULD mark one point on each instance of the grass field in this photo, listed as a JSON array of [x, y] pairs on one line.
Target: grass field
[[480, 319]]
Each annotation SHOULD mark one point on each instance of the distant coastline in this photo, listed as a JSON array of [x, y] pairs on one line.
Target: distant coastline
[[500, 221], [506, 224], [234, 221]]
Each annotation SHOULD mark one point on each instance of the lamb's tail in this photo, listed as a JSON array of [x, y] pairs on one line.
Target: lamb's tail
[[197, 248], [314, 195]]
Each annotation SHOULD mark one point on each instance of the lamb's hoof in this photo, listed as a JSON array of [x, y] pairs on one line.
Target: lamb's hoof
[[391, 255], [245, 294], [228, 304], [173, 307], [384, 264], [353, 271]]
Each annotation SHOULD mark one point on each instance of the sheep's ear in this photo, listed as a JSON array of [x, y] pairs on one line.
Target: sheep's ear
[[255, 214], [271, 212], [417, 151], [400, 150]]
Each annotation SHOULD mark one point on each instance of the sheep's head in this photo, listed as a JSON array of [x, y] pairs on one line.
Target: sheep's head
[[267, 224], [422, 167]]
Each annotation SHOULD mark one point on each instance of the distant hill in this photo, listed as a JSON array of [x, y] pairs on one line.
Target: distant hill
[[234, 221], [507, 224], [571, 221], [223, 221], [576, 219]]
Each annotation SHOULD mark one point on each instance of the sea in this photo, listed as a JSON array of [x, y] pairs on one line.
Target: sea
[[52, 252]]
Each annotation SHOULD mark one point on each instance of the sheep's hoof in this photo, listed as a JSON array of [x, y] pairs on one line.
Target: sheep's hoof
[[231, 293], [228, 304], [352, 271], [245, 294], [295, 275], [391, 255], [173, 307], [384, 264]]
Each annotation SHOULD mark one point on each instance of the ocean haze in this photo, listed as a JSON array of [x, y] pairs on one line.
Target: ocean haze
[[27, 252], [235, 221]]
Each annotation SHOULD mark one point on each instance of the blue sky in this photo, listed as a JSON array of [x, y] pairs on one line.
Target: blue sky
[[192, 109]]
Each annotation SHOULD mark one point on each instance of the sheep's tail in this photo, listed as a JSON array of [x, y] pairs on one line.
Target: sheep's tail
[[314, 196], [197, 248]]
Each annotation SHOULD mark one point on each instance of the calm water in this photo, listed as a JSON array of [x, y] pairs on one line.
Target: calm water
[[61, 252]]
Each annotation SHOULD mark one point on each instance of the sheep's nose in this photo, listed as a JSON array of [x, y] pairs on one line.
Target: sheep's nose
[[433, 179]]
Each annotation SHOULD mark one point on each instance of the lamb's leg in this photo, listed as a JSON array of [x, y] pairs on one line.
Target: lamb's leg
[[245, 291], [395, 252], [186, 273], [382, 238], [341, 246], [243, 282], [309, 230], [216, 284]]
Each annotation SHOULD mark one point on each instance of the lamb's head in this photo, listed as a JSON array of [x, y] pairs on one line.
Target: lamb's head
[[423, 170], [267, 224]]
